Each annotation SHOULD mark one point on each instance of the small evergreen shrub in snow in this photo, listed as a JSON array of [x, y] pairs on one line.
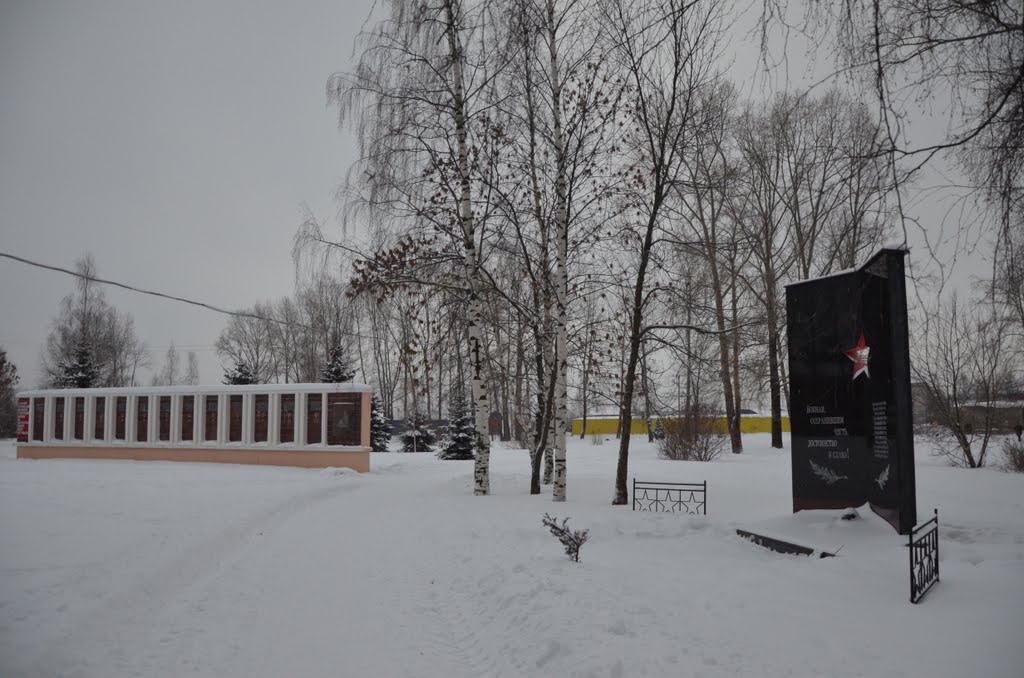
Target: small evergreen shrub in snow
[[572, 540], [79, 370], [380, 426], [1013, 456], [457, 440], [239, 374], [418, 436]]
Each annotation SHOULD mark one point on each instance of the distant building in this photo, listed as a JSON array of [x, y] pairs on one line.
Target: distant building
[[923, 404], [1005, 414], [609, 424]]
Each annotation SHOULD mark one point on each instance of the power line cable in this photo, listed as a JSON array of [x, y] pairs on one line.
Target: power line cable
[[131, 288]]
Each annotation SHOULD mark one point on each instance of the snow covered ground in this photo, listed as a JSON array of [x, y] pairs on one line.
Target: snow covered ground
[[158, 569]]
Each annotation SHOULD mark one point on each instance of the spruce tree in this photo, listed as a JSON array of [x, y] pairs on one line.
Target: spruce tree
[[380, 426], [8, 396], [338, 368], [460, 433], [418, 436], [79, 370], [239, 374]]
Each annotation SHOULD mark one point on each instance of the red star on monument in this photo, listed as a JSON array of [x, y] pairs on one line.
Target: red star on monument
[[860, 354]]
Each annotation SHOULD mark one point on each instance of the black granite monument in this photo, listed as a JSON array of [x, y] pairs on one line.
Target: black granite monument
[[850, 406]]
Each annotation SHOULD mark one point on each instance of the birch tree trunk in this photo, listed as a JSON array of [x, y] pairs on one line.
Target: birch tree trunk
[[474, 279], [549, 453], [540, 289], [561, 256]]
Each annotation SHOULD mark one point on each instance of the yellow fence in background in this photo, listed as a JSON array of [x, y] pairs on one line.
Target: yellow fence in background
[[608, 426]]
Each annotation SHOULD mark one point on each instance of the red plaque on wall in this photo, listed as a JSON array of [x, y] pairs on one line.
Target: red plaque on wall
[[23, 407]]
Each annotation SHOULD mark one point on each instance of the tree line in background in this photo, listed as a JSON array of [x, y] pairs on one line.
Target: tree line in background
[[572, 208], [570, 199]]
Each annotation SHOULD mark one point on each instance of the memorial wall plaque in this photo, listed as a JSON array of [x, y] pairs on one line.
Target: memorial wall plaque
[[850, 409], [23, 415]]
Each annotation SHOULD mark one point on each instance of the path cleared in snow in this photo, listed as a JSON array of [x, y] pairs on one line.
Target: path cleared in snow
[[158, 569]]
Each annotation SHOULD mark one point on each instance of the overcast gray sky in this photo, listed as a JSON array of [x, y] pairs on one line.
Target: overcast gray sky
[[177, 142]]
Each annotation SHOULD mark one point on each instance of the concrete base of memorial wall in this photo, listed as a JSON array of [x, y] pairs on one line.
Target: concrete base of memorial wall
[[358, 460]]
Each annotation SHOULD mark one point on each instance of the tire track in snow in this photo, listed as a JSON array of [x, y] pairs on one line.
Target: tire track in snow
[[76, 637]]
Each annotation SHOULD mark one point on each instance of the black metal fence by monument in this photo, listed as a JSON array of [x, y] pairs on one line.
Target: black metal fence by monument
[[688, 498], [924, 557]]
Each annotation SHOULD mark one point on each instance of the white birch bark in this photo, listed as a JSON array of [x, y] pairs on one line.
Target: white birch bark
[[561, 255], [542, 298], [542, 452], [474, 281], [549, 455]]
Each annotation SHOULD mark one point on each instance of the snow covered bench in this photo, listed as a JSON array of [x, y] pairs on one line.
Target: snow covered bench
[[688, 498]]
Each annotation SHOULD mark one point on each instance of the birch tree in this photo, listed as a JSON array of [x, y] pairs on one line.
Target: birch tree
[[413, 100], [170, 373], [192, 369], [570, 118], [86, 316]]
